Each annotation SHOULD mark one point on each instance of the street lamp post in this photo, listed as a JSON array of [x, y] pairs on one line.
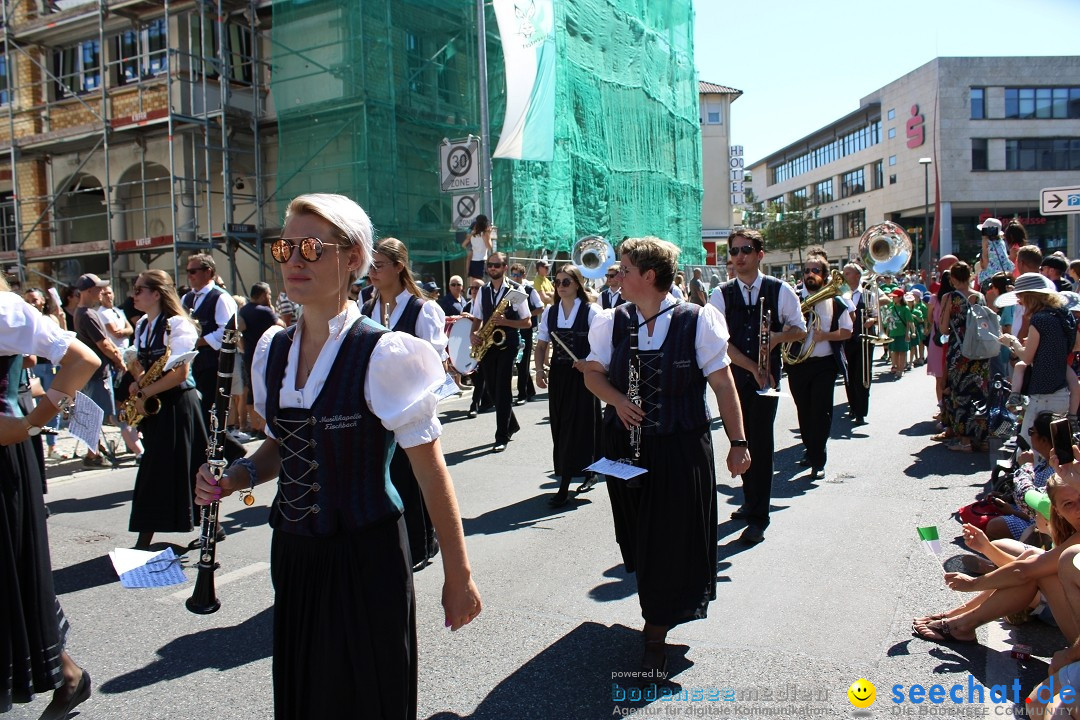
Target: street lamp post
[[925, 162]]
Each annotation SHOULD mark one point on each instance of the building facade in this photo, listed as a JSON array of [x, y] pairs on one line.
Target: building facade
[[722, 172], [949, 144]]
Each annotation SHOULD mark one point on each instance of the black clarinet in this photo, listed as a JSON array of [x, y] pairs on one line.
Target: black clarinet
[[203, 599]]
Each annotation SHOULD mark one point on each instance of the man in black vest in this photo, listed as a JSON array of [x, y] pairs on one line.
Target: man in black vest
[[498, 364], [611, 296], [813, 379], [858, 351], [742, 300], [212, 307]]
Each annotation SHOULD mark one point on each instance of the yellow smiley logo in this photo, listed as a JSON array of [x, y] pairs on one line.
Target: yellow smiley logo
[[862, 693]]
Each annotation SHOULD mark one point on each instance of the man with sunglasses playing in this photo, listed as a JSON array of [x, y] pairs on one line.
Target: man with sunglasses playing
[[212, 307], [813, 380], [498, 364], [741, 299], [611, 296]]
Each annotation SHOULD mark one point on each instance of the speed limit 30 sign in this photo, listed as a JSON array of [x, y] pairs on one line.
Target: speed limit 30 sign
[[459, 164]]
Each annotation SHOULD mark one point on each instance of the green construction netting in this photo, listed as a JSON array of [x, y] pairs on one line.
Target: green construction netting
[[366, 91]]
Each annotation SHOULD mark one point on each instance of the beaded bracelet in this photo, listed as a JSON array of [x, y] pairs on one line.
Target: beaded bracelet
[[247, 495]]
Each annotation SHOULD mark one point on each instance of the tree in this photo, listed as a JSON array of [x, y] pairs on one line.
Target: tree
[[789, 228]]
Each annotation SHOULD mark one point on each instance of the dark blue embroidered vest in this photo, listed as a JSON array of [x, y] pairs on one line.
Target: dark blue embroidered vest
[[487, 299], [335, 458], [577, 336], [744, 324], [406, 323], [10, 369], [208, 356], [672, 385], [605, 299]]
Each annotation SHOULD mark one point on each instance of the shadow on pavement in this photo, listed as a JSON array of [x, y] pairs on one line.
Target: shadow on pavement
[[88, 504], [232, 647], [624, 585], [91, 573], [526, 513], [574, 677], [937, 459], [247, 517]]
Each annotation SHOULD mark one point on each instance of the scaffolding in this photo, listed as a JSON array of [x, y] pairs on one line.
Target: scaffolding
[[134, 131]]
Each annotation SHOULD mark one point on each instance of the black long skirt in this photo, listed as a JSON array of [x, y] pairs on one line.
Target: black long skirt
[[575, 421], [344, 625], [175, 447], [32, 625], [422, 542], [666, 528]]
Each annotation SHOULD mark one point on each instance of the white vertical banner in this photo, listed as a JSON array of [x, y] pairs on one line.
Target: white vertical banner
[[527, 32]]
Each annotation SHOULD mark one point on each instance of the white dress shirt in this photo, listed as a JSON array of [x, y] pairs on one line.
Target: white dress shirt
[[824, 310], [181, 337], [398, 387], [25, 331], [564, 322], [226, 308], [430, 324], [710, 340], [787, 304]]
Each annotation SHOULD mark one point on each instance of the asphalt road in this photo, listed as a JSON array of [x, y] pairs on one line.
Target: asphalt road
[[827, 598]]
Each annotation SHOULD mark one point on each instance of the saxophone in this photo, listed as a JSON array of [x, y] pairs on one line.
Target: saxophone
[[491, 336], [128, 414]]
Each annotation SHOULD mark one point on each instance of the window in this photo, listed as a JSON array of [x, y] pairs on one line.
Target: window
[[77, 68], [4, 79], [823, 230], [449, 75], [415, 63], [879, 175], [852, 183], [892, 160], [892, 133], [978, 154], [854, 223], [798, 197], [848, 144], [892, 179], [892, 115], [142, 53], [823, 192], [978, 103], [1058, 103], [238, 56], [714, 113], [8, 239], [1042, 154]]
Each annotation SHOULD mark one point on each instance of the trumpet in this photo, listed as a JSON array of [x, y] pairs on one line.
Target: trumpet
[[765, 352], [813, 322]]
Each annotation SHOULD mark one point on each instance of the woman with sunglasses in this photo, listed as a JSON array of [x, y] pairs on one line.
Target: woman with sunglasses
[[33, 629], [400, 304], [174, 437], [337, 390], [573, 410]]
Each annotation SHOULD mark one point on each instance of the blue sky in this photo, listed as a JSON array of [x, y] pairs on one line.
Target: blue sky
[[802, 64]]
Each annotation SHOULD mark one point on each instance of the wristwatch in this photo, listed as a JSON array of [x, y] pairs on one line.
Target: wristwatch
[[739, 443], [31, 430]]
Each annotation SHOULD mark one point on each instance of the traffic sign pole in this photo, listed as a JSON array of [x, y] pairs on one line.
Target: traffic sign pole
[[485, 123]]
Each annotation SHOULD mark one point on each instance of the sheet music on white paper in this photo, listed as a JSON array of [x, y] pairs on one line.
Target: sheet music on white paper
[[175, 360], [446, 389], [614, 468], [85, 422]]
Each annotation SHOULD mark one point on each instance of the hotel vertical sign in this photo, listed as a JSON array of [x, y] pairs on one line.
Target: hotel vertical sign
[[735, 168]]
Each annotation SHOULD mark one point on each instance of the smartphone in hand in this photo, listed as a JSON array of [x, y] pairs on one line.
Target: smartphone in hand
[[1061, 434]]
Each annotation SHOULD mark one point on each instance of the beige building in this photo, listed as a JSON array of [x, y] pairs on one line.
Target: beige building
[[995, 130], [718, 172]]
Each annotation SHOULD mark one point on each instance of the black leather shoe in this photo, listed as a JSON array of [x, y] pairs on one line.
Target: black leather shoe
[[740, 514], [752, 535], [802, 462], [858, 421], [557, 500], [817, 474], [499, 447], [588, 484], [58, 709], [472, 412]]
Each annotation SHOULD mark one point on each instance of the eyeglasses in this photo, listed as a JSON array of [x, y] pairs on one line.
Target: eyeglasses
[[311, 248], [744, 249], [565, 282], [814, 271], [455, 284], [192, 271], [513, 274], [611, 276], [139, 288], [495, 265]]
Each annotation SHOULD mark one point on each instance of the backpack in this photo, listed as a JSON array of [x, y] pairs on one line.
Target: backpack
[[982, 329]]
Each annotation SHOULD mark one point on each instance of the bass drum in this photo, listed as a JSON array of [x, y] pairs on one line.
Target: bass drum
[[460, 346]]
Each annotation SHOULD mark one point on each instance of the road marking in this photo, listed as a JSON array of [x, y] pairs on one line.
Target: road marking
[[1001, 667], [220, 580]]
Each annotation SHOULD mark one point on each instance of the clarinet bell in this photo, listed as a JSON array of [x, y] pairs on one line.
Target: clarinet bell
[[203, 600]]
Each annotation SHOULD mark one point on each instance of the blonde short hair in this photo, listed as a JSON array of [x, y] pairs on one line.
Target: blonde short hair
[[349, 220]]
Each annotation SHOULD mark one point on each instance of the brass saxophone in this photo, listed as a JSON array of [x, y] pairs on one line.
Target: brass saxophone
[[128, 414], [491, 336]]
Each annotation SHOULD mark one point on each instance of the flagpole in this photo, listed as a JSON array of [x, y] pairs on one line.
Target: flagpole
[[485, 125]]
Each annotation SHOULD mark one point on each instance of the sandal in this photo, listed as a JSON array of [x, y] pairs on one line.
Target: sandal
[[938, 631], [652, 649], [943, 436], [961, 446]]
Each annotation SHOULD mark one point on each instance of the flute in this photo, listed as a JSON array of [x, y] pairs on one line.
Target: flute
[[203, 600]]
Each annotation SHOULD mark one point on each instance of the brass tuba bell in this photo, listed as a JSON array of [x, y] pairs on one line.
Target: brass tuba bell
[[885, 249], [593, 255]]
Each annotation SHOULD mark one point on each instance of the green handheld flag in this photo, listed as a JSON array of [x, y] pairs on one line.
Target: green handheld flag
[[929, 537]]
